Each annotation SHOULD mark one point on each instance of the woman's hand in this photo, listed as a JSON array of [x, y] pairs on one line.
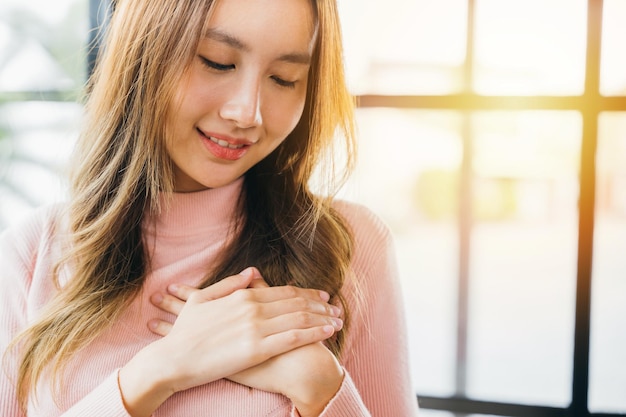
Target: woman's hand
[[309, 375], [222, 330]]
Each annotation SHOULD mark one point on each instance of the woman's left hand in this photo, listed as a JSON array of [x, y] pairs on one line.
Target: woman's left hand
[[310, 375]]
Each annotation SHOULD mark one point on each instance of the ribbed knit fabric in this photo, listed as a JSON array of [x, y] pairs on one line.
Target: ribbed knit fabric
[[182, 242]]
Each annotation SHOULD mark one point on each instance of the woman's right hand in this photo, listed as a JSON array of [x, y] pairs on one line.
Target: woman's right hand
[[221, 330]]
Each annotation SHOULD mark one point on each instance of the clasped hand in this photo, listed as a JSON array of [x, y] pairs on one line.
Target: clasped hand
[[268, 338]]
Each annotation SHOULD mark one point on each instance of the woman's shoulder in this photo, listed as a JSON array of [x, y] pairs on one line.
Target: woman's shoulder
[[38, 226], [368, 229]]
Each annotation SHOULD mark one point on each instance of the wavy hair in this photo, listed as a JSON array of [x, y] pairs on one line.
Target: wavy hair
[[121, 167]]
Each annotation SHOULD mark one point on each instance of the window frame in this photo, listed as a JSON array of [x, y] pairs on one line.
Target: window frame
[[590, 104]]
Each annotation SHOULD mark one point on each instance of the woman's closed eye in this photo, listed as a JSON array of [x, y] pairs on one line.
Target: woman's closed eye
[[283, 83], [216, 65]]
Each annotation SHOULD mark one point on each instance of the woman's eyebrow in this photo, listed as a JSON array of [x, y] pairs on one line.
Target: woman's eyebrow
[[217, 35]]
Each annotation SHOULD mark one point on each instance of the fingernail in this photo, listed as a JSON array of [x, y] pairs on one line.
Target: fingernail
[[173, 288], [324, 295], [247, 273], [157, 298], [153, 324], [328, 329], [337, 323], [336, 311]]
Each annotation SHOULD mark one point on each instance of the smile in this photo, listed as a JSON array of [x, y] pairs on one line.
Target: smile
[[224, 144]]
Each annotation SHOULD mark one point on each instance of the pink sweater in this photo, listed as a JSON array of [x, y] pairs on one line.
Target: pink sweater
[[183, 241]]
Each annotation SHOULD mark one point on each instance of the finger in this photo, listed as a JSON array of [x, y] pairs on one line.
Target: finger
[[226, 286], [259, 283], [268, 294], [299, 304], [181, 291], [300, 320], [160, 327], [280, 343], [168, 303]]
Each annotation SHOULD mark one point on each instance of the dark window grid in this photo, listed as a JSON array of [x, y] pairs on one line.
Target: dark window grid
[[99, 13], [589, 105]]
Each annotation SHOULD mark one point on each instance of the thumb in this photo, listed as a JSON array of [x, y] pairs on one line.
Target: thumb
[[229, 285], [258, 282]]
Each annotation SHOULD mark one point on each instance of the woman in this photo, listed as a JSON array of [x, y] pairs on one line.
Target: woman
[[194, 273]]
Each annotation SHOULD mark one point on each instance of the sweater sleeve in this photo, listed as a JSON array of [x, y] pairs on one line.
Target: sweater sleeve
[[16, 249], [105, 401], [375, 356], [25, 258]]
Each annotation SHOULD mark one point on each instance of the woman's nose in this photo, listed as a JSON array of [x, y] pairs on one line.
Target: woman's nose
[[243, 105]]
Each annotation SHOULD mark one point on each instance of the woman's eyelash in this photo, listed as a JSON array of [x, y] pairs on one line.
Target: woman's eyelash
[[227, 67], [283, 83], [216, 65]]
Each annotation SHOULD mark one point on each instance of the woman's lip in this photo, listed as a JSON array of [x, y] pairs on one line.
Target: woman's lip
[[226, 141], [224, 144], [223, 149]]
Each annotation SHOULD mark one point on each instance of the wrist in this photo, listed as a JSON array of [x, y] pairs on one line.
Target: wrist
[[143, 383], [313, 402]]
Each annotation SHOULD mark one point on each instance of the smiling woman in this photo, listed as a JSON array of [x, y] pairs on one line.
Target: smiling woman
[[193, 270], [243, 93]]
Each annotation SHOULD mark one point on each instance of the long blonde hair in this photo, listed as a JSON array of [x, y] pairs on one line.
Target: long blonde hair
[[122, 167]]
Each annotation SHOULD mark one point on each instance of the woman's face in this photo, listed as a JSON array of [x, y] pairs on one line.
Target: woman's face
[[243, 93]]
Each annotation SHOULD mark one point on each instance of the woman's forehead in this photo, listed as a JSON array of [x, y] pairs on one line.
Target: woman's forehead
[[288, 26]]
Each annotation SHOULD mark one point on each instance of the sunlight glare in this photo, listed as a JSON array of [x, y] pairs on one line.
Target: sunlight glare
[[613, 59], [530, 47]]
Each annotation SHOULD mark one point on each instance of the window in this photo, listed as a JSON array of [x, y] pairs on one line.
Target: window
[[492, 136], [42, 70]]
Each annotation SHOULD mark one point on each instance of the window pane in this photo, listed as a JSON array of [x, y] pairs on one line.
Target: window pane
[[613, 59], [608, 315], [42, 45], [530, 47], [33, 154], [408, 173], [404, 46], [523, 256], [42, 50]]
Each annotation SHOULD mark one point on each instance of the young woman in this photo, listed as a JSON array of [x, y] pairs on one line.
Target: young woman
[[193, 271]]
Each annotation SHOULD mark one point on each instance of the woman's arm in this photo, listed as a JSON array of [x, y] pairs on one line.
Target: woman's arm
[[14, 281], [296, 317], [247, 326], [375, 378], [25, 263], [376, 352], [307, 373]]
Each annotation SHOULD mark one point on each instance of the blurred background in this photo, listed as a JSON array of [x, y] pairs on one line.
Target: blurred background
[[492, 141]]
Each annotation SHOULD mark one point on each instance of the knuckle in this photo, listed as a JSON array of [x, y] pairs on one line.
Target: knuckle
[[294, 338], [251, 309], [302, 302], [304, 319], [251, 330], [242, 295], [194, 297], [252, 339], [291, 291], [167, 302]]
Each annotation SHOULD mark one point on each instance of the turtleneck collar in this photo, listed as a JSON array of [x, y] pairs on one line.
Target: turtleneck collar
[[187, 214]]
